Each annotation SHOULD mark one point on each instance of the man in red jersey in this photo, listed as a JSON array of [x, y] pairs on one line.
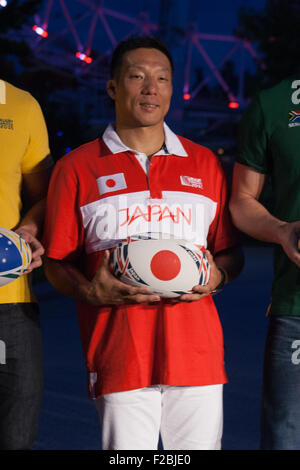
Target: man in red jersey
[[155, 366]]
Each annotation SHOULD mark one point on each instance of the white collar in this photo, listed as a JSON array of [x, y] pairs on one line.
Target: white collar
[[172, 143]]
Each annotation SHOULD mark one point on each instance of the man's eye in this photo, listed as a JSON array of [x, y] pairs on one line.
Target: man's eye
[[136, 75], [163, 79]]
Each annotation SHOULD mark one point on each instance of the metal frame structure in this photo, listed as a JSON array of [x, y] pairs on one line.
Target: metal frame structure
[[195, 41], [81, 60], [57, 42], [49, 45]]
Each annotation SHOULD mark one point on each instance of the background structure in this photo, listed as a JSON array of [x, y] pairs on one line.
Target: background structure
[[59, 50], [71, 41]]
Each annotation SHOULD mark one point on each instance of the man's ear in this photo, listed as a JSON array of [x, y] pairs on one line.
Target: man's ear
[[111, 89]]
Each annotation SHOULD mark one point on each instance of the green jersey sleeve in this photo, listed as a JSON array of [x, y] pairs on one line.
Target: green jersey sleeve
[[253, 139]]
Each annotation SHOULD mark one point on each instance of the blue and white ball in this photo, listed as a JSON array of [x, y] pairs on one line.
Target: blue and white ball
[[169, 267], [15, 256]]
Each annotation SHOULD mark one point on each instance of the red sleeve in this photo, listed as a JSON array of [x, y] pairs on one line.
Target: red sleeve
[[63, 230], [222, 233]]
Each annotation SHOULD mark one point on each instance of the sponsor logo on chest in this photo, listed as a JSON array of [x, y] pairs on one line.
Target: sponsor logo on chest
[[7, 124]]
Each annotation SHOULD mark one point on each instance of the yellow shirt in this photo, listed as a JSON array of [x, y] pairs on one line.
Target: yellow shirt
[[23, 149]]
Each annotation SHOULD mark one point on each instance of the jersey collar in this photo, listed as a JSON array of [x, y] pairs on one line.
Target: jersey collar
[[172, 145]]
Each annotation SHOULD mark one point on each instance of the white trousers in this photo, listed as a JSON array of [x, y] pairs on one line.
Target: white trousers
[[187, 418]]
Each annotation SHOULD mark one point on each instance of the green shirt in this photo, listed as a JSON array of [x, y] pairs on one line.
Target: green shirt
[[270, 144]]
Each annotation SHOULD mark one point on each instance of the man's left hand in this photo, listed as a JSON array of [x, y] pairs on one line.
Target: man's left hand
[[36, 248], [203, 291]]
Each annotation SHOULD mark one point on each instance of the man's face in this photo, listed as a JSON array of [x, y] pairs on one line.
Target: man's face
[[143, 89]]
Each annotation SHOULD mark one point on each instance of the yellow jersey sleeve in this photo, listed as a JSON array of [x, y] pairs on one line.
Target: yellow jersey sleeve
[[37, 154]]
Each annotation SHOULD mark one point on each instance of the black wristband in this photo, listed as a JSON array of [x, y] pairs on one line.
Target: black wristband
[[220, 286]]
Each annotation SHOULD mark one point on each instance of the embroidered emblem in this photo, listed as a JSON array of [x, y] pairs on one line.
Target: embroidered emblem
[[190, 181], [294, 118]]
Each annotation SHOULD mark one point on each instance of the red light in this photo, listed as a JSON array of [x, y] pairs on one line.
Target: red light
[[186, 96], [40, 31], [85, 58], [233, 105]]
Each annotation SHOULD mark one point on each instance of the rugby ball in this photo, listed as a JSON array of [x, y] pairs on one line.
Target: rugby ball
[[15, 256], [169, 267]]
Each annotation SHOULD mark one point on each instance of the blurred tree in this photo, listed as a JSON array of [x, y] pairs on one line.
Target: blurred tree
[[276, 30]]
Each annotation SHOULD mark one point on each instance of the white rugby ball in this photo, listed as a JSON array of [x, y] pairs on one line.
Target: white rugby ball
[[15, 256], [169, 267]]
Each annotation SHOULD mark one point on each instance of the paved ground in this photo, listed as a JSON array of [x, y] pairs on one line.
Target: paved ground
[[68, 418]]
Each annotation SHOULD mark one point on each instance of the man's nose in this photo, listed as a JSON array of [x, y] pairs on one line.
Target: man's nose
[[150, 86]]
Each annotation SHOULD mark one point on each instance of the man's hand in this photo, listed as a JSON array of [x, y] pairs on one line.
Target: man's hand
[[106, 289], [288, 236], [250, 216], [36, 248], [202, 291]]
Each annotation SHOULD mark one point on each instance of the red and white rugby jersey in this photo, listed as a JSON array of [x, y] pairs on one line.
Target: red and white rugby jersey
[[103, 192]]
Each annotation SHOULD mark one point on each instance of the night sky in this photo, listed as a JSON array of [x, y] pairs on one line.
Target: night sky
[[220, 17], [211, 16]]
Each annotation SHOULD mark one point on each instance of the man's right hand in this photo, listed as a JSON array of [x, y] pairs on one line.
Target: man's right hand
[[106, 289], [288, 236]]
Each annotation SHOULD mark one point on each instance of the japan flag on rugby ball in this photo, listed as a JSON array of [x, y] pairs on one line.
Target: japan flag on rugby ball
[[109, 183], [169, 267]]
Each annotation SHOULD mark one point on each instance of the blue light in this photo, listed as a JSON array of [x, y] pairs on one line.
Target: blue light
[[59, 133], [68, 149]]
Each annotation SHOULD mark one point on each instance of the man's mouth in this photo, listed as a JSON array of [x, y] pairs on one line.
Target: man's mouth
[[149, 106]]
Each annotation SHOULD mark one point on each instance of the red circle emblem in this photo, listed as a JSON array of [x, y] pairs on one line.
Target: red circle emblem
[[165, 265], [110, 183]]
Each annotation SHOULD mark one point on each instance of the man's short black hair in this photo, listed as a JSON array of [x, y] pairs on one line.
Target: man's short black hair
[[136, 42]]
